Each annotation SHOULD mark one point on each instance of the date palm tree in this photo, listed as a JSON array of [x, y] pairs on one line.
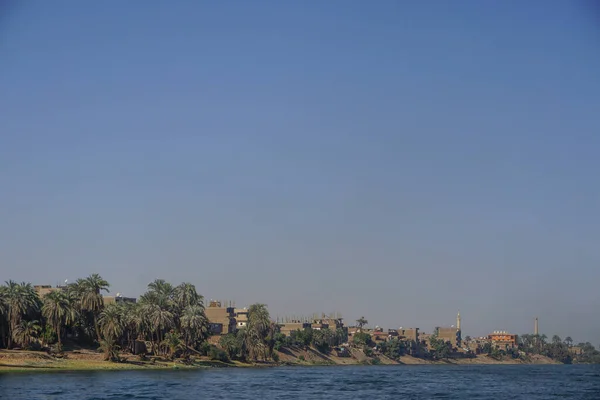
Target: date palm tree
[[569, 341], [111, 322], [162, 290], [3, 315], [129, 313], [20, 299], [110, 348], [172, 343], [185, 295], [91, 289], [556, 339], [59, 312], [158, 318], [257, 330], [194, 324], [26, 332]]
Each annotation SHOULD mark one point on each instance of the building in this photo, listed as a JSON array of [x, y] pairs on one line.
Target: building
[[118, 299], [287, 328], [316, 322], [241, 317], [476, 345], [452, 335], [504, 340], [408, 334], [221, 319], [43, 290], [326, 322], [378, 335]]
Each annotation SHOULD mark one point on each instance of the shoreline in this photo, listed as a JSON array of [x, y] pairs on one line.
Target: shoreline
[[28, 361]]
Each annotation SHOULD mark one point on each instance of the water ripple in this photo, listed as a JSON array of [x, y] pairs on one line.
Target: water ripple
[[385, 382]]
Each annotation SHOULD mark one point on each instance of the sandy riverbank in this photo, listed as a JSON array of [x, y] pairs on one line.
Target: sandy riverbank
[[81, 360]]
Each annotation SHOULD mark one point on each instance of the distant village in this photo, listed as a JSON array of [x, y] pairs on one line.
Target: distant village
[[224, 318]]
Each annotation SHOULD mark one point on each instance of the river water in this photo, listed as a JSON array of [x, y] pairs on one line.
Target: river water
[[344, 382]]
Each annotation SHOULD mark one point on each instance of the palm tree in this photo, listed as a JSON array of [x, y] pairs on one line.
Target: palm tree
[[26, 332], [541, 343], [173, 343], [91, 297], [569, 341], [20, 299], [185, 295], [129, 313], [158, 318], [361, 322], [139, 321], [59, 312], [556, 339], [194, 324], [110, 349], [162, 289], [257, 330], [111, 322], [3, 314]]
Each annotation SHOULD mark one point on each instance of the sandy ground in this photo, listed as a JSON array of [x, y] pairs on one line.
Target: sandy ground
[[20, 360]]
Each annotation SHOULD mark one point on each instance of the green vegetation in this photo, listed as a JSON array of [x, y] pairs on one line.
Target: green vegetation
[[440, 349], [395, 348], [559, 350], [324, 340], [361, 322], [168, 321]]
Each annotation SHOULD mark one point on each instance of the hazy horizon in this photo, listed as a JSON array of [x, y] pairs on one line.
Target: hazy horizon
[[397, 160]]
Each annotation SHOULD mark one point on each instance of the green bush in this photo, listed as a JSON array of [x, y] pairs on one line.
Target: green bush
[[48, 336], [217, 354], [275, 357], [205, 348], [301, 358], [362, 339]]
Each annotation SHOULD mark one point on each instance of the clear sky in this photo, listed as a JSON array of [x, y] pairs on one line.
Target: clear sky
[[393, 159]]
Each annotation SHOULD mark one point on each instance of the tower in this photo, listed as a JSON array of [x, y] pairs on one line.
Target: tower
[[458, 321], [536, 330]]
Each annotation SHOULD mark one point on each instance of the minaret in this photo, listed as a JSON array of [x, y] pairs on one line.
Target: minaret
[[536, 330], [458, 321]]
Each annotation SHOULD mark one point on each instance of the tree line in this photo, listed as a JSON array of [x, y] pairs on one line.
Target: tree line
[[167, 320], [170, 321]]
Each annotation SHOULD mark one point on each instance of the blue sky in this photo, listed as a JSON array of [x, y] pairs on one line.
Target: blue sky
[[398, 160]]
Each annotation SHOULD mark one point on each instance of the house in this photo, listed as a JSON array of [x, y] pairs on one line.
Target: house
[[241, 317], [221, 319], [43, 290], [288, 325], [504, 340], [287, 328], [118, 299], [452, 335], [408, 334]]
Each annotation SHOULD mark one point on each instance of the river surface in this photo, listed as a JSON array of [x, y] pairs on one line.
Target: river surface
[[345, 382]]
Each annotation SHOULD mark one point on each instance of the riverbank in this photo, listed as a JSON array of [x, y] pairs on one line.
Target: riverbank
[[88, 360]]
